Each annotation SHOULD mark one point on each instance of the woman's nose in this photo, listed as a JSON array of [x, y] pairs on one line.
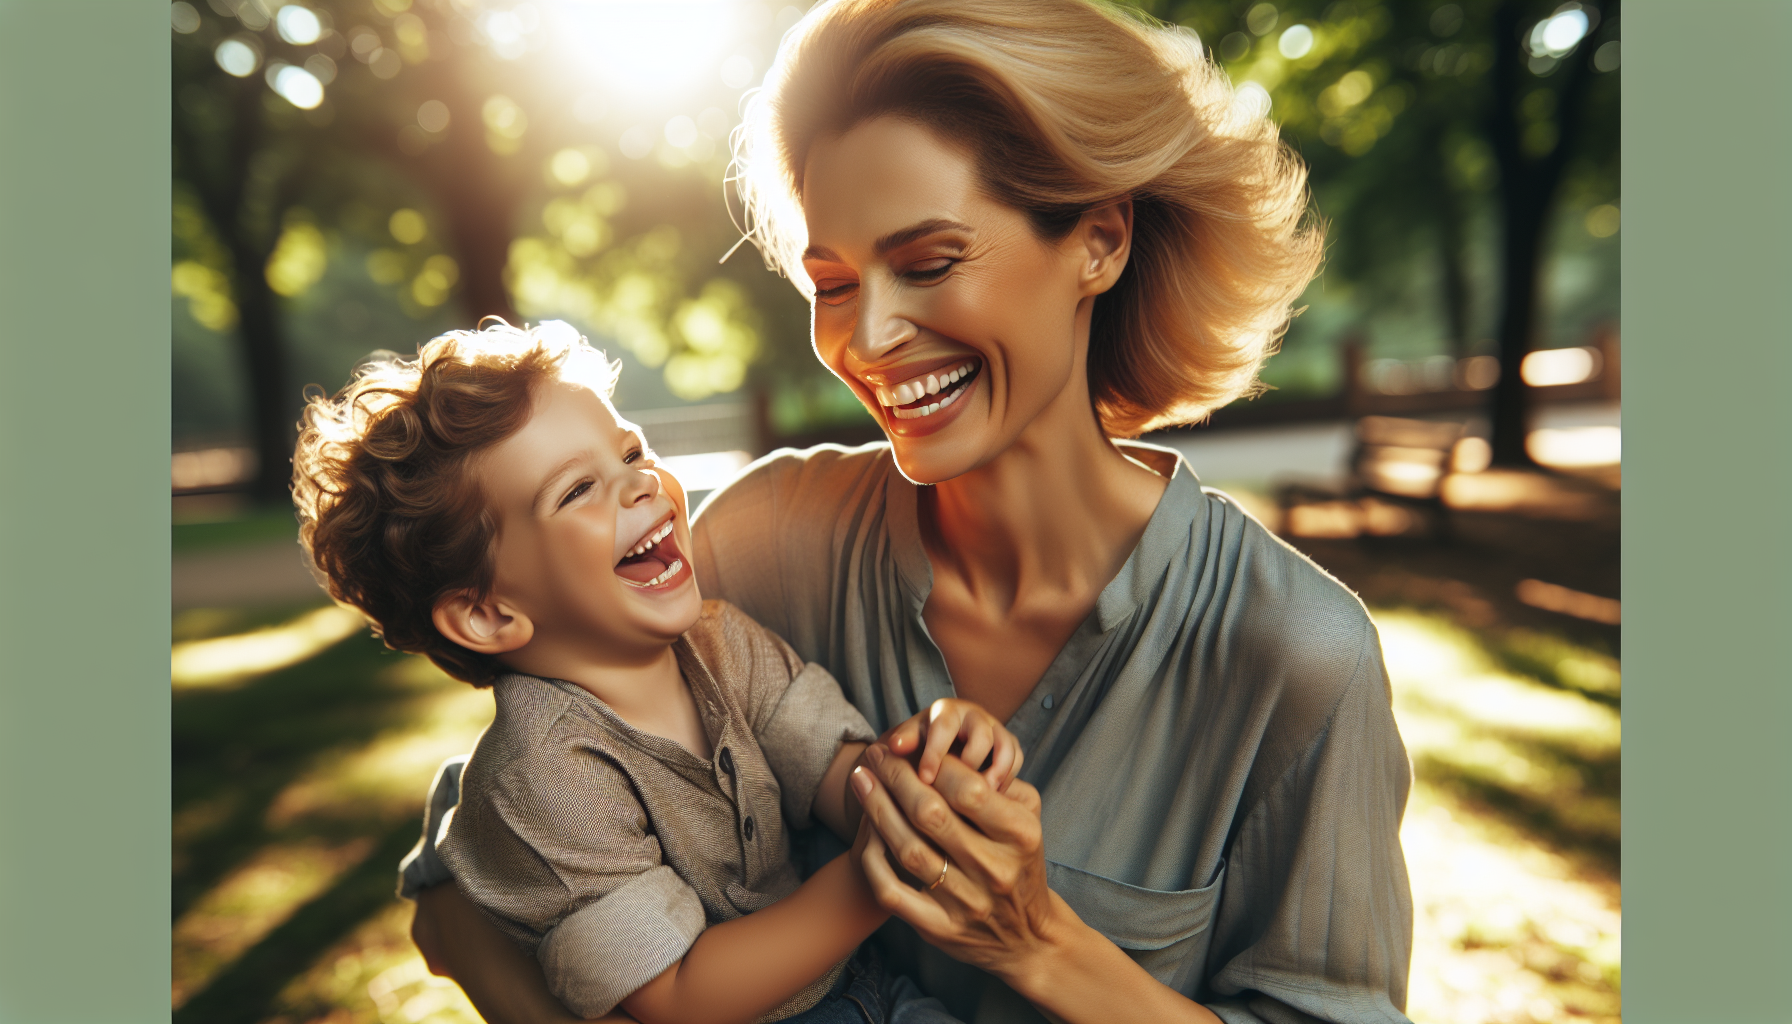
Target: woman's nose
[[881, 327]]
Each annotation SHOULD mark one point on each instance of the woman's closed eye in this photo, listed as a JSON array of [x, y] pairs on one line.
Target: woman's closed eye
[[929, 269], [832, 293]]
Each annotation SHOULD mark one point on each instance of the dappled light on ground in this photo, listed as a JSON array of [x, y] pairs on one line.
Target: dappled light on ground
[[1513, 811], [232, 659], [294, 802]]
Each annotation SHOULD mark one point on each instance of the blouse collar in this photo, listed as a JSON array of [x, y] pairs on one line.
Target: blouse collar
[[1166, 535]]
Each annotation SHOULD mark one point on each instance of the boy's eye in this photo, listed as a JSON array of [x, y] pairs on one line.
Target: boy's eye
[[574, 493], [632, 457]]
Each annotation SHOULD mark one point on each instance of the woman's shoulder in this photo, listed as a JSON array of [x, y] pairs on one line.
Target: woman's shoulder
[[792, 495], [794, 481], [1300, 624], [770, 540]]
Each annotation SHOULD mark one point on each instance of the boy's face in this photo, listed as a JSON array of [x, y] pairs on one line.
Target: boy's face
[[592, 538]]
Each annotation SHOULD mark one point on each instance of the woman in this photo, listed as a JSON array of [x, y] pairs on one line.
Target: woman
[[1029, 229]]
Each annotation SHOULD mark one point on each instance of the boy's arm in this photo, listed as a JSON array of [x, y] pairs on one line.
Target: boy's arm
[[504, 984], [835, 803], [739, 969]]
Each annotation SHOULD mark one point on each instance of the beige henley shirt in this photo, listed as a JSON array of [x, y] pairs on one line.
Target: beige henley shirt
[[608, 850]]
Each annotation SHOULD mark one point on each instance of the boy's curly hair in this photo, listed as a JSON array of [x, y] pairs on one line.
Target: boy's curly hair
[[390, 516]]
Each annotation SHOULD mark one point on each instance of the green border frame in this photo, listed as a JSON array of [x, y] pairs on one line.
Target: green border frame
[[84, 512], [84, 705], [1707, 215]]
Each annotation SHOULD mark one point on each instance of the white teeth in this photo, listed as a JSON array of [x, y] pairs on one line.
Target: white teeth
[[654, 538], [671, 571], [914, 390]]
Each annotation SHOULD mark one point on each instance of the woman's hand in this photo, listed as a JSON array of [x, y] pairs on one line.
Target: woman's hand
[[964, 728], [982, 896], [991, 906]]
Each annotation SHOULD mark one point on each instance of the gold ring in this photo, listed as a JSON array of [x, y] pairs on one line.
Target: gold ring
[[943, 869]]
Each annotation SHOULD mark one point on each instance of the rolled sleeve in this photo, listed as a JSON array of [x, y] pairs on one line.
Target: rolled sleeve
[[803, 732], [597, 956]]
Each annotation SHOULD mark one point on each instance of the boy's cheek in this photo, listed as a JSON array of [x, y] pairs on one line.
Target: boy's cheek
[[675, 489]]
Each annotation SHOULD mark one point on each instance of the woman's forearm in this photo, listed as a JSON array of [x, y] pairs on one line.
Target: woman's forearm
[[739, 969], [1075, 975]]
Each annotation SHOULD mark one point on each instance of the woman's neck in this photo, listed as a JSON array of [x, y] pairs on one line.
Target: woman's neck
[[1056, 513]]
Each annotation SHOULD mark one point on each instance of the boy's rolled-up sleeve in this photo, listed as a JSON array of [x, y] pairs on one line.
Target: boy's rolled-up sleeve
[[560, 857], [802, 732], [600, 954]]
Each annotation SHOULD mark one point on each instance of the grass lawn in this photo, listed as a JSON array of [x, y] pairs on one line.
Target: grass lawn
[[297, 789]]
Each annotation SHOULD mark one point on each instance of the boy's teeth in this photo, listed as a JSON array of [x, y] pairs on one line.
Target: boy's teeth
[[671, 571], [657, 536]]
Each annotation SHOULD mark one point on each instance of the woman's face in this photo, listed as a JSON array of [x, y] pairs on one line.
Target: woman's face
[[952, 321]]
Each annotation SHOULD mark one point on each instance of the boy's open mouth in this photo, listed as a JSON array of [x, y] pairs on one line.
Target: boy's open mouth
[[929, 393], [655, 558]]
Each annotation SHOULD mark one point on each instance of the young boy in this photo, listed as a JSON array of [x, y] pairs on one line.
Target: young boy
[[624, 816]]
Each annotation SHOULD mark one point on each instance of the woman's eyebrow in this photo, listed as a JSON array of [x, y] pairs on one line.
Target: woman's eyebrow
[[909, 234], [894, 239]]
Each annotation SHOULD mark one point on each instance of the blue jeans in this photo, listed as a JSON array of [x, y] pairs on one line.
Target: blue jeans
[[868, 994]]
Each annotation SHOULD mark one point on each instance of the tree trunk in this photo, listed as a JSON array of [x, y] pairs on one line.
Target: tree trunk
[[222, 185], [1527, 193], [475, 190], [273, 407], [1454, 277]]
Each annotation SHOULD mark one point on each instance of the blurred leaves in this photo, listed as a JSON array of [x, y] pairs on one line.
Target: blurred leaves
[[298, 259], [411, 142]]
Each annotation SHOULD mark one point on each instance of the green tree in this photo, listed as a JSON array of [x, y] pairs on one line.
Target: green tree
[[444, 137], [1419, 118], [241, 157]]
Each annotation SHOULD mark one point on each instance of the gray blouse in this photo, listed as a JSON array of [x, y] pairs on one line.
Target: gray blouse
[[1221, 776]]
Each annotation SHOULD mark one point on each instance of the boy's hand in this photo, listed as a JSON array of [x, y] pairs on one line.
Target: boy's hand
[[958, 727]]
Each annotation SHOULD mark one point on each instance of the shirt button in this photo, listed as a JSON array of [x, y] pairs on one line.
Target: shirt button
[[747, 827], [1047, 702], [727, 761]]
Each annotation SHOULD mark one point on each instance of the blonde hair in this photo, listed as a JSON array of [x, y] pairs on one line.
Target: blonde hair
[[1067, 105], [388, 513]]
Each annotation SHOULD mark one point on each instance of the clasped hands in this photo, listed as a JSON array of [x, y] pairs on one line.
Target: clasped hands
[[945, 807]]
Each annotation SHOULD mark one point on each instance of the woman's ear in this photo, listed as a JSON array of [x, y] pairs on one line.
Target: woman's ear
[[1105, 234], [485, 625]]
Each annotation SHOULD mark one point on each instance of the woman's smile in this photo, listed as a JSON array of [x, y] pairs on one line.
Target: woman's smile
[[925, 394]]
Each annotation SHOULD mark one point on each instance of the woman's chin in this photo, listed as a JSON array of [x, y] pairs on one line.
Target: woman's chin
[[934, 459]]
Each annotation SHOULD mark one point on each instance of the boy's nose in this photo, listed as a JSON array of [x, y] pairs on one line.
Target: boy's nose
[[643, 485]]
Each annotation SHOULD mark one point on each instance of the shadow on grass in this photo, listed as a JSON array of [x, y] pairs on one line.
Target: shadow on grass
[[235, 751], [1581, 822], [246, 989]]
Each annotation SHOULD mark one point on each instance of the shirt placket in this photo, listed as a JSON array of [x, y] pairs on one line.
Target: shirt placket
[[724, 766]]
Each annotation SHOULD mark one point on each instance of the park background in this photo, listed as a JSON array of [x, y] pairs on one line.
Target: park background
[[360, 176]]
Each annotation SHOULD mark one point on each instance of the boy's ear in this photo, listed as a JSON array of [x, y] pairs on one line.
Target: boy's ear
[[487, 625]]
